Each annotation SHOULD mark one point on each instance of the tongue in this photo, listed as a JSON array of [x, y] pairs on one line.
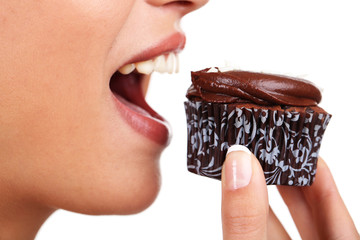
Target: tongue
[[127, 89]]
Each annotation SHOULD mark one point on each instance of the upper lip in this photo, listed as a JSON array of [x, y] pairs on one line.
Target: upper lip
[[173, 43]]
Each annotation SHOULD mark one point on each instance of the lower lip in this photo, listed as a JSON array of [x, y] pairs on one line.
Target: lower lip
[[157, 130]]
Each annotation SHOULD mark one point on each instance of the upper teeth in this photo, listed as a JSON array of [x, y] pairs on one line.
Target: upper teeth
[[161, 64]]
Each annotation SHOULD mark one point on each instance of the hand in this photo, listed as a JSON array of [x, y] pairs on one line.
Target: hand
[[318, 211]]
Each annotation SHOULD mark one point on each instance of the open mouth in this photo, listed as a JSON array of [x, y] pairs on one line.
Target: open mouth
[[126, 85]]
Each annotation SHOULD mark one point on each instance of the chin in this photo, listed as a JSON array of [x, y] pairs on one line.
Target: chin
[[142, 192], [129, 190], [122, 182], [134, 202], [142, 198], [112, 200]]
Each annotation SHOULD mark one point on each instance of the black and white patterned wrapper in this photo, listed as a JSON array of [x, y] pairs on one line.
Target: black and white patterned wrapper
[[286, 143]]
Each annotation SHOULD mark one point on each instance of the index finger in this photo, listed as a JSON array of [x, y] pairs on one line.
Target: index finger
[[331, 216]]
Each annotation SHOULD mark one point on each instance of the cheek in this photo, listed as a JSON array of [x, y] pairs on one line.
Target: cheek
[[84, 158], [105, 174], [60, 36], [66, 141]]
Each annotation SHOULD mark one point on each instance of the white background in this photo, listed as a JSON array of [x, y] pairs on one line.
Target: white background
[[316, 40]]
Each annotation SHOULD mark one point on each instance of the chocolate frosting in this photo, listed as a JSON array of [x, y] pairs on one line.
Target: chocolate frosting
[[249, 87]]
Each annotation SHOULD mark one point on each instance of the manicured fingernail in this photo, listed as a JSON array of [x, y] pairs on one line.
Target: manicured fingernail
[[238, 169], [234, 148]]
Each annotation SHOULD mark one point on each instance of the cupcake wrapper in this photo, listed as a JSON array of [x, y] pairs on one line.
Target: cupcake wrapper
[[286, 143]]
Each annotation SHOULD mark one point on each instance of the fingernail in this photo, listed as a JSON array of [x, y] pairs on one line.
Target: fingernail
[[234, 148], [238, 169]]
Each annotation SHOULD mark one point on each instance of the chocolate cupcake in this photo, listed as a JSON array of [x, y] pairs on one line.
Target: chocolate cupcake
[[276, 117]]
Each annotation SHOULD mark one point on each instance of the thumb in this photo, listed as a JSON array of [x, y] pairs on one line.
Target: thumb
[[245, 204]]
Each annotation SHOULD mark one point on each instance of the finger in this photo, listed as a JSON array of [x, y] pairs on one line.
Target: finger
[[300, 210], [275, 228], [244, 196], [331, 216]]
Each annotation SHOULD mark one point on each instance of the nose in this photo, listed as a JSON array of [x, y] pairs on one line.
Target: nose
[[184, 6]]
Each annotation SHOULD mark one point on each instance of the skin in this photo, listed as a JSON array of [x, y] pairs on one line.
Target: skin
[[63, 143], [318, 211]]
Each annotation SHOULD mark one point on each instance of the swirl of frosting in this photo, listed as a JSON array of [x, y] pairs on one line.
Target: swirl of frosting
[[235, 86]]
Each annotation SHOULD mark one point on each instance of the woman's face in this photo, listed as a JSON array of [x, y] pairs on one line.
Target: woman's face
[[68, 139]]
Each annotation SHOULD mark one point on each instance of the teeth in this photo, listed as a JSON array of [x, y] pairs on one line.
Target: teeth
[[177, 63], [170, 63], [127, 68], [162, 64], [145, 67]]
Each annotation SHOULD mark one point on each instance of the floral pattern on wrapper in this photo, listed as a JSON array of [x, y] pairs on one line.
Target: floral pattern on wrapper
[[286, 143]]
